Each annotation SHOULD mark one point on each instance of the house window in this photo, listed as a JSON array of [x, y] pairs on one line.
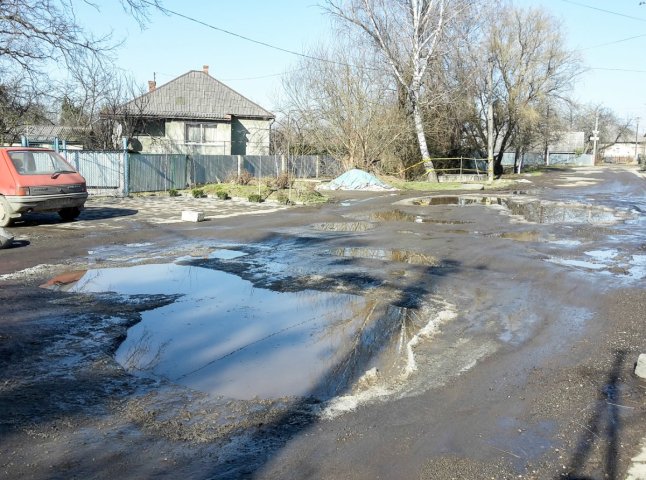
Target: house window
[[201, 133]]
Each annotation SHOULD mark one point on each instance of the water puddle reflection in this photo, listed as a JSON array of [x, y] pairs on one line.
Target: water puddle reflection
[[533, 210], [343, 226], [401, 256], [401, 216], [225, 337]]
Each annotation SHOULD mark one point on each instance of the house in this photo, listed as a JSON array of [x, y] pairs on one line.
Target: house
[[197, 114], [50, 135], [627, 148], [565, 148]]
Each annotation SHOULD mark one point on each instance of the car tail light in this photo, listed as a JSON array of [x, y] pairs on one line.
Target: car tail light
[[22, 191]]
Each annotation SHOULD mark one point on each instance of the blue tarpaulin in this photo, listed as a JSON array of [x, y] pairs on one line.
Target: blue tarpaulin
[[356, 179]]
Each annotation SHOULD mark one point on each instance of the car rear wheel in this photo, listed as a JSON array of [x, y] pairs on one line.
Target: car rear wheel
[[69, 214], [5, 218]]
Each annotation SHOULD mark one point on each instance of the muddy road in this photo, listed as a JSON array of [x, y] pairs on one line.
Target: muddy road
[[475, 335]]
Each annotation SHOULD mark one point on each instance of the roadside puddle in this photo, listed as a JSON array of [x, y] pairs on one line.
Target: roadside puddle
[[533, 210], [227, 338], [343, 226], [401, 256], [401, 216]]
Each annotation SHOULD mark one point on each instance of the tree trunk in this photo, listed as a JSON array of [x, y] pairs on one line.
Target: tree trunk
[[421, 139]]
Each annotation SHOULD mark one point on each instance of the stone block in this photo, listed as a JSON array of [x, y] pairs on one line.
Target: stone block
[[192, 216], [640, 369], [5, 238]]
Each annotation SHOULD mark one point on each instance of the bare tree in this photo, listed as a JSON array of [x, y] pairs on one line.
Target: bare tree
[[20, 104], [408, 34], [532, 74], [33, 32], [343, 106]]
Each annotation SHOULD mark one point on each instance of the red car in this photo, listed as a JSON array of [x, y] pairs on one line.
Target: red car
[[38, 180]]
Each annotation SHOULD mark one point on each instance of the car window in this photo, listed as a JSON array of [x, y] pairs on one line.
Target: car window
[[39, 163]]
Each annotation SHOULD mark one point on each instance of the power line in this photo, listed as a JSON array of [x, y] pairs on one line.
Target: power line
[[613, 42], [262, 76], [258, 42], [618, 70], [604, 10]]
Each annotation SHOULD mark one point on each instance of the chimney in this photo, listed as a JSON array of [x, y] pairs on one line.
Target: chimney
[[205, 69], [152, 85]]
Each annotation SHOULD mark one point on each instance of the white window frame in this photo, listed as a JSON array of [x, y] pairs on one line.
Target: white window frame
[[202, 126]]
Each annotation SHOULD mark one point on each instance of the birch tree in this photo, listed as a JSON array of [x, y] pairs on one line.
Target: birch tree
[[408, 34]]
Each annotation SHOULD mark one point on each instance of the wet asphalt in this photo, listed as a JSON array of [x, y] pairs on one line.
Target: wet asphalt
[[518, 314]]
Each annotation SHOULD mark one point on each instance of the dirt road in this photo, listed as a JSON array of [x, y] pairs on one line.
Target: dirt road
[[486, 335]]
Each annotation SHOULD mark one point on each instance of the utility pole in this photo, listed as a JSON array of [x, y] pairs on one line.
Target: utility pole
[[490, 125], [595, 139], [636, 139]]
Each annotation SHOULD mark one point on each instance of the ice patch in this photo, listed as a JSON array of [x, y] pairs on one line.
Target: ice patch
[[372, 384], [226, 254], [577, 263], [602, 255], [638, 267], [27, 272], [566, 243], [426, 332]]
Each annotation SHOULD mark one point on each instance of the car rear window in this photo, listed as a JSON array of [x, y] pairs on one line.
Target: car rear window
[[39, 163]]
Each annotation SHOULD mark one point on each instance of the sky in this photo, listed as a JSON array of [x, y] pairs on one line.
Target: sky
[[609, 35]]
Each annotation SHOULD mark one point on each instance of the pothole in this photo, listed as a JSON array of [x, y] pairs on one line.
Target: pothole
[[227, 338]]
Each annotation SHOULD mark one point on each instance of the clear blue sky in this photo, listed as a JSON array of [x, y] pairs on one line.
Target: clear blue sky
[[171, 46]]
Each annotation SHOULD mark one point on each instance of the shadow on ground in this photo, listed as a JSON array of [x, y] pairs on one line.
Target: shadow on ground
[[89, 214], [603, 429]]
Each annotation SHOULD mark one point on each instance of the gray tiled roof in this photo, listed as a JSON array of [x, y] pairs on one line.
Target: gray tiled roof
[[195, 95], [47, 133]]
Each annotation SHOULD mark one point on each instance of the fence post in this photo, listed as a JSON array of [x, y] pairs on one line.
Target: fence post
[[318, 166], [240, 165], [126, 168]]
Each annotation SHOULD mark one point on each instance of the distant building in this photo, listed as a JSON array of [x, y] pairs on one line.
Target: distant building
[[197, 114], [627, 149], [566, 149], [48, 135]]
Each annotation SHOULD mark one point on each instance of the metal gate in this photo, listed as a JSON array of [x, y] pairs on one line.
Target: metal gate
[[103, 171]]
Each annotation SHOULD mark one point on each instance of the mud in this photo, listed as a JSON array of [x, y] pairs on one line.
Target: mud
[[500, 349]]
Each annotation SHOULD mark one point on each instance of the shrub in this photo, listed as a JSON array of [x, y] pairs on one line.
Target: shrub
[[283, 181], [198, 193], [222, 195], [256, 198], [283, 199], [244, 178], [173, 193]]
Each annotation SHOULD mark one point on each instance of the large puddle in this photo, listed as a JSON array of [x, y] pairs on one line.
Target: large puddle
[[533, 210], [225, 337]]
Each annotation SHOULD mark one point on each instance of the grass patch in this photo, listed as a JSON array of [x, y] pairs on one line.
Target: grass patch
[[301, 192]]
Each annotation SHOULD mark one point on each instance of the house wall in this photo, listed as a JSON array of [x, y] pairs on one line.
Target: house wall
[[623, 150], [174, 142], [240, 137], [250, 137]]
